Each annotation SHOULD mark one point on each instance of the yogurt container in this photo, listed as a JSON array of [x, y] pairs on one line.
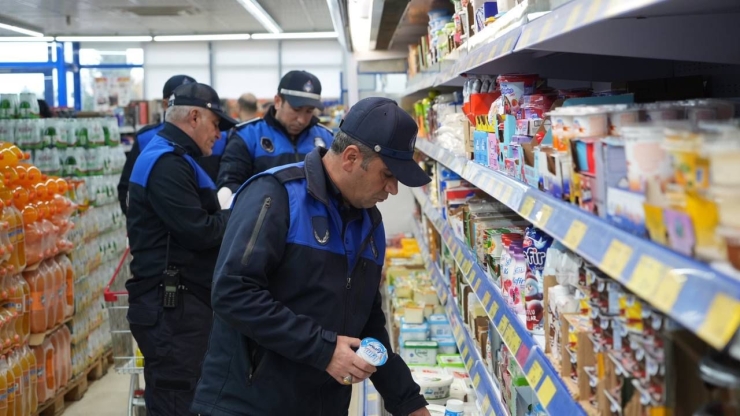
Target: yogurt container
[[590, 122], [439, 326], [414, 332], [435, 383], [446, 345], [436, 410], [373, 352], [620, 116]]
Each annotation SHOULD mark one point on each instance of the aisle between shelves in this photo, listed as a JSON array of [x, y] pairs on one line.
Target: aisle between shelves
[[542, 376], [702, 299]]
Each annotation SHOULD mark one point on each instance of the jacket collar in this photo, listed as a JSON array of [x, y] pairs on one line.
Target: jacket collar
[[174, 134], [318, 186], [273, 122]]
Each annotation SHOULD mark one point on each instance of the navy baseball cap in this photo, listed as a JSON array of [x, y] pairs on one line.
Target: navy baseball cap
[[301, 89], [173, 83], [202, 95], [380, 124]]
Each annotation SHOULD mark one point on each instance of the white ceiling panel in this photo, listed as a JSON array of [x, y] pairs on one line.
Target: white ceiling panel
[[161, 17]]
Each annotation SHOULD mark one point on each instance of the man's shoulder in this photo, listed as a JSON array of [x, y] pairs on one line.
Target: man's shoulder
[[323, 129], [149, 129], [249, 124]]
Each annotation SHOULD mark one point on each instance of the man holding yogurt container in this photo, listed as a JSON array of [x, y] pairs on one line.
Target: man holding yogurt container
[[296, 299]]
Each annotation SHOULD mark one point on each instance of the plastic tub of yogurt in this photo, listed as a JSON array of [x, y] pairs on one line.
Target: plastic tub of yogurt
[[373, 352]]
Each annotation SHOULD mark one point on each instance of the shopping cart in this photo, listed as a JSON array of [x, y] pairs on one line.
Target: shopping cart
[[125, 359]]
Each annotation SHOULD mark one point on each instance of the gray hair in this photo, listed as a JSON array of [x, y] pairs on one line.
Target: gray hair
[[178, 113], [342, 140]]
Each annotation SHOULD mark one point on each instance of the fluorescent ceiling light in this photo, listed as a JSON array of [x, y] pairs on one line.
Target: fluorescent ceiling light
[[26, 39], [191, 38], [295, 35], [21, 30], [103, 38], [261, 15]]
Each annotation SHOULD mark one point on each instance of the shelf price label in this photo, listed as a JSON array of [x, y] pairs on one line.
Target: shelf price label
[[573, 17], [476, 380], [646, 276], [509, 43], [486, 405], [615, 259], [502, 326], [543, 215], [469, 363], [527, 207], [508, 190], [466, 266], [545, 31], [486, 299], [721, 321], [494, 308], [497, 189], [512, 339], [464, 353], [535, 374], [476, 283], [668, 291], [575, 234], [546, 392]]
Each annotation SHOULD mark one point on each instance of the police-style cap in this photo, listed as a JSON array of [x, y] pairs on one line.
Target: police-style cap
[[380, 124], [202, 95], [174, 82], [301, 89]]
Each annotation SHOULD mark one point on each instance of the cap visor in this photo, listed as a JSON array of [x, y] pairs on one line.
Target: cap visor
[[407, 172], [297, 102], [226, 122]]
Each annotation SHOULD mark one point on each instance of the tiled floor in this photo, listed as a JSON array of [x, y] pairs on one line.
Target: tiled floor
[[109, 397]]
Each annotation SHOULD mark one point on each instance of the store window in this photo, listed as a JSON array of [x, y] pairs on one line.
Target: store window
[[24, 52], [105, 89], [18, 83]]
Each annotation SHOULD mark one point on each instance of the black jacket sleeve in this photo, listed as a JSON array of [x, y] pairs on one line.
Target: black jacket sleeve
[[252, 249], [173, 194], [128, 167], [393, 379], [236, 163]]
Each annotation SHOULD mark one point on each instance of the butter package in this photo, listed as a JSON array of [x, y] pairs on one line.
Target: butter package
[[419, 352]]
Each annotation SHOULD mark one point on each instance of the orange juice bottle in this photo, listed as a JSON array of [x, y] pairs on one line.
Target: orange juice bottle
[[58, 359], [30, 228], [15, 304], [69, 289], [59, 280], [12, 216], [41, 391], [10, 382], [26, 319], [17, 371], [6, 317], [45, 275], [33, 380], [4, 386], [38, 300], [26, 367]]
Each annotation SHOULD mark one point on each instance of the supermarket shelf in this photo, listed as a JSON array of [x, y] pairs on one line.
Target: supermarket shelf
[[702, 299], [558, 44], [539, 371], [370, 402], [37, 339], [487, 392]]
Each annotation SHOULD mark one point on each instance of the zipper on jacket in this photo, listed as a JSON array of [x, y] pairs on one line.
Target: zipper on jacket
[[364, 244], [295, 150], [257, 227]]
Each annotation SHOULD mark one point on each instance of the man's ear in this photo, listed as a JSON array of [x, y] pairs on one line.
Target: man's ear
[[350, 158]]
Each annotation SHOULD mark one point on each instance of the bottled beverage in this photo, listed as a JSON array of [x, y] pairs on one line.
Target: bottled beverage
[[33, 383], [15, 366], [36, 284], [4, 386], [10, 381]]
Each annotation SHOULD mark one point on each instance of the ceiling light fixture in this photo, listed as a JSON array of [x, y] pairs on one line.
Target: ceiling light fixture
[[21, 30], [195, 38], [295, 35], [103, 38], [261, 15], [26, 39]]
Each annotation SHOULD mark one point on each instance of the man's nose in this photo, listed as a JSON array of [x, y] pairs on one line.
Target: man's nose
[[392, 187]]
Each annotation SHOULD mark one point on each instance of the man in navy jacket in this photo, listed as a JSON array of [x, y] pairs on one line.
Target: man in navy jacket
[[287, 132], [175, 227], [297, 280]]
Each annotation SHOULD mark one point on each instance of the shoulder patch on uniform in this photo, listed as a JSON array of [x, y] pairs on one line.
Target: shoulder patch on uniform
[[245, 123], [320, 227], [319, 142], [267, 144], [290, 174]]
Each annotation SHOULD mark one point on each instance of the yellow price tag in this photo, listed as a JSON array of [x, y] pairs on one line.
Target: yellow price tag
[[543, 215], [508, 190], [502, 326], [486, 298], [615, 259], [492, 311], [534, 375], [575, 13], [646, 277], [527, 207], [514, 340], [545, 32], [476, 285], [466, 266], [460, 256], [721, 321], [575, 234], [524, 38], [486, 405], [668, 290], [465, 352], [469, 363], [546, 392], [476, 380], [508, 45], [591, 14]]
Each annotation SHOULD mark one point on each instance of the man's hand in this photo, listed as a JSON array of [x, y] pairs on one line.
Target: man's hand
[[420, 412], [346, 362]]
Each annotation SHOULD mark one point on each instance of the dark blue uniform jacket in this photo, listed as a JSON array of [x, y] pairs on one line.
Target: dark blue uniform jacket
[[209, 163], [263, 143], [296, 270], [172, 195]]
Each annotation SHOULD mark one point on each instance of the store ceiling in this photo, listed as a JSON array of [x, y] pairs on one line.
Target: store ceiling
[[403, 22], [159, 17]]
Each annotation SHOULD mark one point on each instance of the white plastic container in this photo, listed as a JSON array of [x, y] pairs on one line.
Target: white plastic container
[[414, 332], [434, 385], [455, 408], [439, 326], [373, 352], [446, 345], [436, 410], [419, 352]]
